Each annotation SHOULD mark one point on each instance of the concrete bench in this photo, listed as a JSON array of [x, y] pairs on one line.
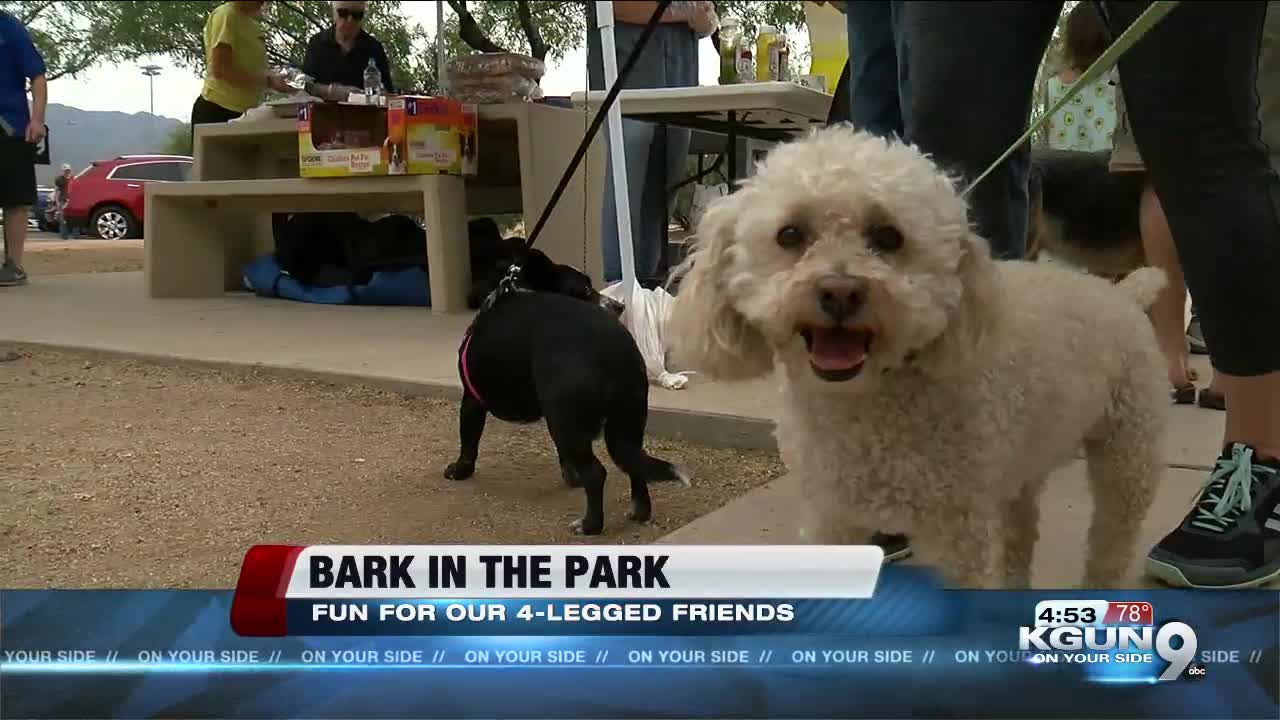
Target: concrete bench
[[199, 234]]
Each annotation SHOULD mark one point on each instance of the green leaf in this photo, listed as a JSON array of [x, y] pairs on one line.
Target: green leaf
[[74, 36]]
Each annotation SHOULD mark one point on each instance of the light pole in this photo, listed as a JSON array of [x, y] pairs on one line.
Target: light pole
[[151, 71]]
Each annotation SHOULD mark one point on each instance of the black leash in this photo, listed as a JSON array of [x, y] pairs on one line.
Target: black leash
[[599, 119]]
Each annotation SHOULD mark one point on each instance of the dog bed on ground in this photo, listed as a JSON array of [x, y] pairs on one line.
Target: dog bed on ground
[[408, 286], [344, 259]]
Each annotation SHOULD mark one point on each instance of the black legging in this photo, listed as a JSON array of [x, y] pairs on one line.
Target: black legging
[[1190, 90], [203, 112]]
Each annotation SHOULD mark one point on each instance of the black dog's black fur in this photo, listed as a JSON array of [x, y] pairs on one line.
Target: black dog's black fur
[[1099, 208], [551, 349]]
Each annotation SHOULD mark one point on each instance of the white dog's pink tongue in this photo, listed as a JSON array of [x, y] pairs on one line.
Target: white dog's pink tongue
[[838, 349]]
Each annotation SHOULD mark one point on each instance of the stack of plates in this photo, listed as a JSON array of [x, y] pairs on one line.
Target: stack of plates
[[288, 106]]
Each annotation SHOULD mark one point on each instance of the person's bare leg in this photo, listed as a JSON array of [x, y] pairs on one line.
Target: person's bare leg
[[15, 233], [1212, 397], [1253, 411], [1215, 381], [1168, 311], [1192, 94]]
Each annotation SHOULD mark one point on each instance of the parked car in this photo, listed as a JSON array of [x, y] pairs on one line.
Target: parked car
[[39, 218], [107, 197], [35, 216]]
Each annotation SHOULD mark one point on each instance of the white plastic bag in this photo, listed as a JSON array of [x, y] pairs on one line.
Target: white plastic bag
[[645, 317]]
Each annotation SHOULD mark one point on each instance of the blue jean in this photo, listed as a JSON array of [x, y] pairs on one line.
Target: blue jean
[[880, 99], [66, 228], [878, 87], [670, 59], [971, 98]]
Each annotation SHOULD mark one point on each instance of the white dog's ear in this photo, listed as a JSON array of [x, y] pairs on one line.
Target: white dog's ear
[[705, 329], [976, 319]]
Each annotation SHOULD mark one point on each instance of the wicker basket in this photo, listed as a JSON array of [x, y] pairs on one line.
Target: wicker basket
[[488, 65]]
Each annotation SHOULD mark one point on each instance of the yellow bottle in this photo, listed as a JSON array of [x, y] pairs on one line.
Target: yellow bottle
[[765, 37], [828, 42]]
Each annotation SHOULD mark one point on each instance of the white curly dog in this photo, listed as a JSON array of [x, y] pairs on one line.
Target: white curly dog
[[926, 389]]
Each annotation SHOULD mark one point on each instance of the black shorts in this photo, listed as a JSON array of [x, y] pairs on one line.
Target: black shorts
[[17, 172]]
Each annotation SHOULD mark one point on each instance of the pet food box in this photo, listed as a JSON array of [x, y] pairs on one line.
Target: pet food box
[[432, 136], [342, 140]]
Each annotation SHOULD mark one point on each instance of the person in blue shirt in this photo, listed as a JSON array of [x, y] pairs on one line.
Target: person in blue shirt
[[21, 130]]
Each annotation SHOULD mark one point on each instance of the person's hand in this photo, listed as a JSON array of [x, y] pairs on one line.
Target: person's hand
[[703, 18], [339, 92], [277, 83], [35, 131]]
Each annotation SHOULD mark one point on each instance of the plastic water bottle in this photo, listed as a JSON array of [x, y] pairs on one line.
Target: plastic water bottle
[[372, 80], [730, 35]]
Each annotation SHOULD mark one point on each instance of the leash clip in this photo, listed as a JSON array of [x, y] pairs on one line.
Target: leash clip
[[506, 286]]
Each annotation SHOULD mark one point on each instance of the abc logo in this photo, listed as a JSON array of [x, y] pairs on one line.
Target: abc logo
[[1195, 671]]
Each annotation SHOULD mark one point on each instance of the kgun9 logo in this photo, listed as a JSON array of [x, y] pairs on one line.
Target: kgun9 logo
[[1094, 644]]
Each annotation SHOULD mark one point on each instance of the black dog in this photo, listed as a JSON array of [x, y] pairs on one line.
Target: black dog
[[1081, 212], [547, 344]]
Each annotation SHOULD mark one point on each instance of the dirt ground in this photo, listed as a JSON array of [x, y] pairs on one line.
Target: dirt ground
[[122, 474], [82, 256]]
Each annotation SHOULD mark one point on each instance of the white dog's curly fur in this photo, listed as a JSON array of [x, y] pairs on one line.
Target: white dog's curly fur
[[926, 389]]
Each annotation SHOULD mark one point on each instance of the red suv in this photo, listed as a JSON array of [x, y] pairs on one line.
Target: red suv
[[107, 197]]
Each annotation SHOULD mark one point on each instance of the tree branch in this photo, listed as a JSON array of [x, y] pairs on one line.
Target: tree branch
[[537, 46], [36, 9], [315, 21], [283, 59], [84, 63], [469, 30], [297, 40]]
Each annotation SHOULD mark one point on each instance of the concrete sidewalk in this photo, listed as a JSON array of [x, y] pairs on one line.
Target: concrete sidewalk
[[409, 350], [768, 515], [414, 351]]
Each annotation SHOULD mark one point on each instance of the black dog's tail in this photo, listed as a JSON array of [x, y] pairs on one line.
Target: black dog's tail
[[659, 470], [624, 439]]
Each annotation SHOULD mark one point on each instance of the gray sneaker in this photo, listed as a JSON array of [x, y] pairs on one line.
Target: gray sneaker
[[1231, 538], [11, 274]]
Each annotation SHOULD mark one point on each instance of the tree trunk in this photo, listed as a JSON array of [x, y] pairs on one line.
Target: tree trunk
[[537, 46], [469, 30]]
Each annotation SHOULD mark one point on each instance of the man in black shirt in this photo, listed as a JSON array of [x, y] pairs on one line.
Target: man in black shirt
[[340, 54]]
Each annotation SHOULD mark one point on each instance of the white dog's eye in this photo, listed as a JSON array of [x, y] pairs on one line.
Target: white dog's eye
[[790, 236], [885, 238]]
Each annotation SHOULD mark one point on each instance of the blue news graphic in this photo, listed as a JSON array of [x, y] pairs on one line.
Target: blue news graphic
[[912, 650]]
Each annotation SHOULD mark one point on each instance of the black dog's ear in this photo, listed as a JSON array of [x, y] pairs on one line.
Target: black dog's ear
[[537, 271]]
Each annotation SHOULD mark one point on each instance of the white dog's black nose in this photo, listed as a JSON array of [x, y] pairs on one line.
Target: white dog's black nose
[[840, 296]]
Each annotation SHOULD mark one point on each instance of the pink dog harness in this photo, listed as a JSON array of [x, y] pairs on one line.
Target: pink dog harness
[[466, 374], [505, 286]]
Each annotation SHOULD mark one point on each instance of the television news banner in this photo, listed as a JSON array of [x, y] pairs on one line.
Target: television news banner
[[812, 623]]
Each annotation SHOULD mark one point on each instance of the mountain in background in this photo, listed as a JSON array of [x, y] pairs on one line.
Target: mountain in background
[[78, 137]]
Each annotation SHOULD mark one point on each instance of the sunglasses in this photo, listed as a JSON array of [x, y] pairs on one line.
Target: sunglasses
[[346, 14]]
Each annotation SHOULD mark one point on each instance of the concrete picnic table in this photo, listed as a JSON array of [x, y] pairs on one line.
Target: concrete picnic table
[[523, 148]]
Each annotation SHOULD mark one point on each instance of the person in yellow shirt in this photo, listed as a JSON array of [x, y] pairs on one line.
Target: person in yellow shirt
[[235, 55]]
